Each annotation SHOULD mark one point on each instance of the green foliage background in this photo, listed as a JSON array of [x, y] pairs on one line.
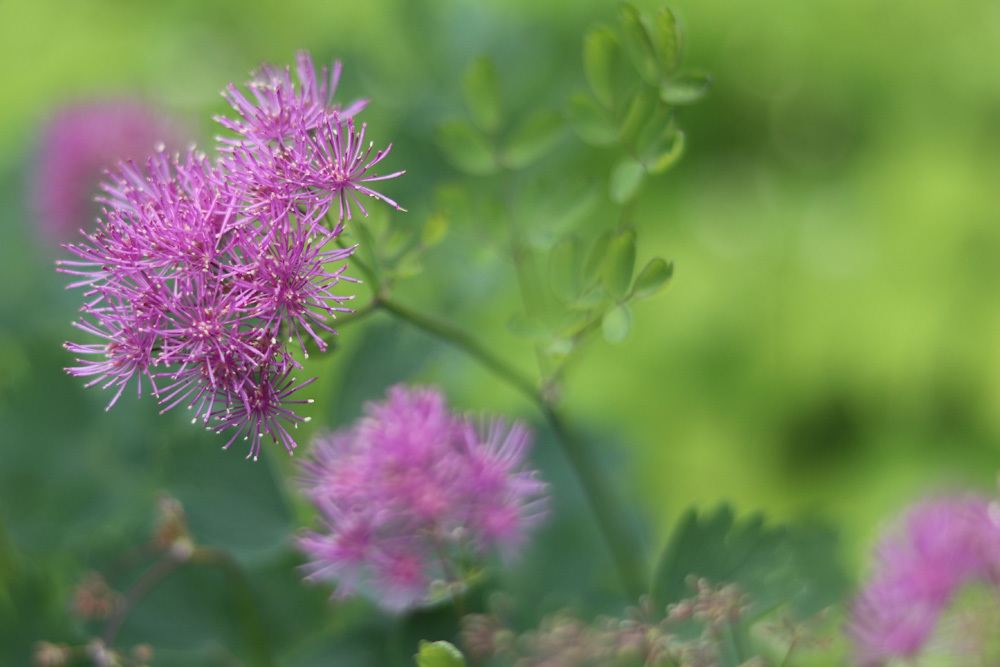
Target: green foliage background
[[828, 346]]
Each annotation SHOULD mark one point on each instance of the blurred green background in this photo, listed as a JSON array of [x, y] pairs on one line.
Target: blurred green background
[[828, 346]]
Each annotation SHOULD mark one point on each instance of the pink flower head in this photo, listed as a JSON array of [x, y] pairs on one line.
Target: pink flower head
[[179, 292], [410, 492], [941, 546], [336, 162], [280, 108], [202, 274], [78, 143], [296, 148]]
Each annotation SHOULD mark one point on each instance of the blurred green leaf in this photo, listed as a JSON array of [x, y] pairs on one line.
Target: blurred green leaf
[[687, 88], [551, 206], [564, 269], [626, 178], [559, 348], [434, 230], [410, 266], [666, 38], [668, 155], [533, 138], [528, 327], [638, 114], [616, 324], [653, 277], [595, 258], [620, 264], [591, 122], [589, 299], [439, 654], [482, 93], [601, 55], [638, 44], [466, 148], [773, 565]]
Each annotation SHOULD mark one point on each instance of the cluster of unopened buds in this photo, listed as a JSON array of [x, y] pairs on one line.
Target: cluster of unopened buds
[[205, 276], [96, 601], [714, 607], [96, 652], [642, 636]]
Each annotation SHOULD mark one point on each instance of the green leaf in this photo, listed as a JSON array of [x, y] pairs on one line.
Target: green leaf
[[590, 299], [592, 123], [564, 269], [638, 44], [601, 55], [639, 111], [666, 40], [408, 267], [619, 265], [626, 178], [482, 93], [653, 277], [668, 155], [466, 148], [616, 324], [528, 327], [435, 230], [439, 654], [773, 565], [595, 258], [554, 204], [533, 138], [685, 89]]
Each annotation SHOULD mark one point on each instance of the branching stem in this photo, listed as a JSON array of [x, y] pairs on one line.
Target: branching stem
[[610, 516]]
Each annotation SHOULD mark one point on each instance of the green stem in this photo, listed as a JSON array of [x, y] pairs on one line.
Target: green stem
[[788, 654], [610, 516], [454, 335]]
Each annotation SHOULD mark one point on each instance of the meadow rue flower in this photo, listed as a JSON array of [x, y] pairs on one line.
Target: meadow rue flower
[[203, 273], [411, 492], [941, 546], [296, 148], [337, 166], [281, 109], [77, 144]]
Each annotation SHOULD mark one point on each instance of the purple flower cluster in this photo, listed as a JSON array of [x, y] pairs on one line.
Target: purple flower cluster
[[941, 546], [410, 492], [202, 273], [77, 145]]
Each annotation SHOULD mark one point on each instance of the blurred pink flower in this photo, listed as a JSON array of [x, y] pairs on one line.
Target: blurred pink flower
[[78, 144], [941, 546], [411, 491]]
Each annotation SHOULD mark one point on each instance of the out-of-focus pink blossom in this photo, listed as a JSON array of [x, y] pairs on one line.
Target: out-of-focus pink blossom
[[77, 145], [939, 547], [410, 492]]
